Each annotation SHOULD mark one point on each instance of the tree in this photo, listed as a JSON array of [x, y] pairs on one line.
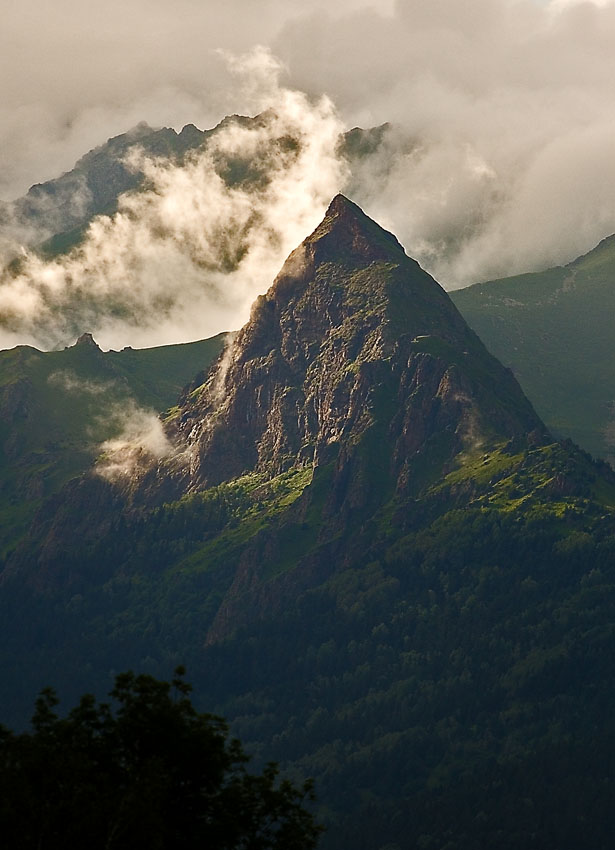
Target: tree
[[144, 771]]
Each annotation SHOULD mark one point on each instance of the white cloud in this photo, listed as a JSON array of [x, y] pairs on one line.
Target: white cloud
[[138, 437], [186, 258], [141, 439], [70, 382], [501, 160]]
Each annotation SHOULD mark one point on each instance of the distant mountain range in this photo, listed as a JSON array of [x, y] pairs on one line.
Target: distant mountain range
[[53, 216], [368, 549]]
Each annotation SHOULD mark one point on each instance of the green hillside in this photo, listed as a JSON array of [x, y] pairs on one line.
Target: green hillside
[[554, 329], [57, 407]]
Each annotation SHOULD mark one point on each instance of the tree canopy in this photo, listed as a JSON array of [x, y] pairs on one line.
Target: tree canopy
[[143, 770]]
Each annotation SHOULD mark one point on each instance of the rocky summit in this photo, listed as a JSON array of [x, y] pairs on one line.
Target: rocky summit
[[353, 337]]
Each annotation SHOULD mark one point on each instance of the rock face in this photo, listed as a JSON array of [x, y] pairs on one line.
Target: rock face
[[352, 338], [86, 339]]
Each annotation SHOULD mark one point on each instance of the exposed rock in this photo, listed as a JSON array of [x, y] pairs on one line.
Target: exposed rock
[[352, 335], [87, 339]]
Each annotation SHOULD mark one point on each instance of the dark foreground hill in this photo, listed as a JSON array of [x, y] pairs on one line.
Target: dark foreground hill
[[372, 557], [555, 330]]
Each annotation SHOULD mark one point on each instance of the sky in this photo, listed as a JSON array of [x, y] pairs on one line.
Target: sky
[[500, 159]]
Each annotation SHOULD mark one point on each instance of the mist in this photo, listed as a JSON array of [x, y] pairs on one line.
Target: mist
[[499, 159], [138, 435], [140, 440], [72, 74]]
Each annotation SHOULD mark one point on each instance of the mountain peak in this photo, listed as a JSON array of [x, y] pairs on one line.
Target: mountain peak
[[341, 205], [346, 237], [352, 336], [360, 237], [86, 339]]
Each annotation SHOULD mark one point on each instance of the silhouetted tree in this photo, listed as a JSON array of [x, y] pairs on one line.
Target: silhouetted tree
[[144, 771]]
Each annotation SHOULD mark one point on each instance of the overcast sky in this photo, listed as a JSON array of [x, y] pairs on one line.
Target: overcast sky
[[510, 105], [73, 72]]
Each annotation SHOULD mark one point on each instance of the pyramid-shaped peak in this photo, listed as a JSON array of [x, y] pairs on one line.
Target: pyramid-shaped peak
[[87, 340], [343, 211], [347, 237], [353, 229], [341, 205], [349, 314]]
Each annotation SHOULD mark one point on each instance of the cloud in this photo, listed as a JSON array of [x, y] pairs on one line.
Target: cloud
[[138, 436], [68, 381], [187, 257], [500, 160], [560, 5], [140, 440], [74, 73]]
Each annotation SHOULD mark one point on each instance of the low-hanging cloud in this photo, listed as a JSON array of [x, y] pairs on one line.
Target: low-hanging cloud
[[126, 437], [68, 381], [139, 441], [186, 258]]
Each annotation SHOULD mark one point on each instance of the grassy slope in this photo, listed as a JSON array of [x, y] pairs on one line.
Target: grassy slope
[[554, 329]]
